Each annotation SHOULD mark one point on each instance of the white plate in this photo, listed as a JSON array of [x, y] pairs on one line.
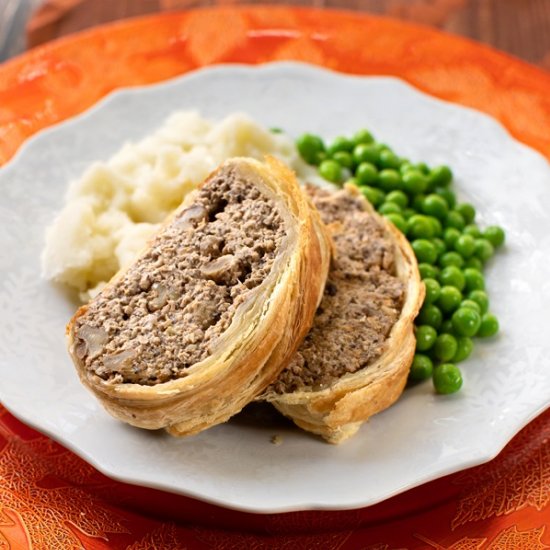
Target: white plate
[[507, 381]]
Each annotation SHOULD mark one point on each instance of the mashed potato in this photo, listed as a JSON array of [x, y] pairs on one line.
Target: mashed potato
[[113, 209]]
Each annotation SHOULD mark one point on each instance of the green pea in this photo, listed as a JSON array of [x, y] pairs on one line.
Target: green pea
[[481, 298], [451, 258], [465, 245], [398, 220], [474, 279], [363, 136], [483, 249], [408, 212], [388, 159], [439, 246], [472, 230], [430, 184], [421, 368], [437, 227], [474, 263], [426, 336], [366, 153], [344, 159], [452, 276], [389, 208], [430, 315], [495, 235], [464, 349], [340, 144], [447, 194], [380, 146], [436, 206], [471, 304], [373, 195], [423, 167], [275, 130], [419, 227], [440, 176], [311, 148], [428, 271], [449, 299], [489, 325], [398, 197], [366, 173], [454, 219], [447, 378], [467, 210], [405, 167], [414, 182], [331, 171], [450, 236], [416, 204], [446, 327], [445, 347], [433, 290], [389, 179], [466, 321], [424, 250]]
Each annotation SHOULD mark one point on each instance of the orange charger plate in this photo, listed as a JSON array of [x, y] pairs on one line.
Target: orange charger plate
[[51, 499]]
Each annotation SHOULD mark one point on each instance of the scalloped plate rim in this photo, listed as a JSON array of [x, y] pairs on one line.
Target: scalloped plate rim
[[119, 94], [320, 504]]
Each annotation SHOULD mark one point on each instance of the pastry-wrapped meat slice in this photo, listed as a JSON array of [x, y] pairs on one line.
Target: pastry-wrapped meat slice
[[205, 318], [355, 360]]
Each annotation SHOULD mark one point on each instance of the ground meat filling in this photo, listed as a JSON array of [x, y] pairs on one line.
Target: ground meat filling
[[362, 300], [169, 309]]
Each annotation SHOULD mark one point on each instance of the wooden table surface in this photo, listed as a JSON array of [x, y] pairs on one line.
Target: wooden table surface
[[520, 27]]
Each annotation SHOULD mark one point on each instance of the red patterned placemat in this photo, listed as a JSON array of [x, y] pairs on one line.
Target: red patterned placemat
[[49, 498]]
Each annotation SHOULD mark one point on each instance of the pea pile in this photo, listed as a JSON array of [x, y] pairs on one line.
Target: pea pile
[[450, 247]]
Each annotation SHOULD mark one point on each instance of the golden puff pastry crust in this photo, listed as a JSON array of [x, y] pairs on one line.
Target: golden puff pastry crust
[[207, 316], [335, 408]]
